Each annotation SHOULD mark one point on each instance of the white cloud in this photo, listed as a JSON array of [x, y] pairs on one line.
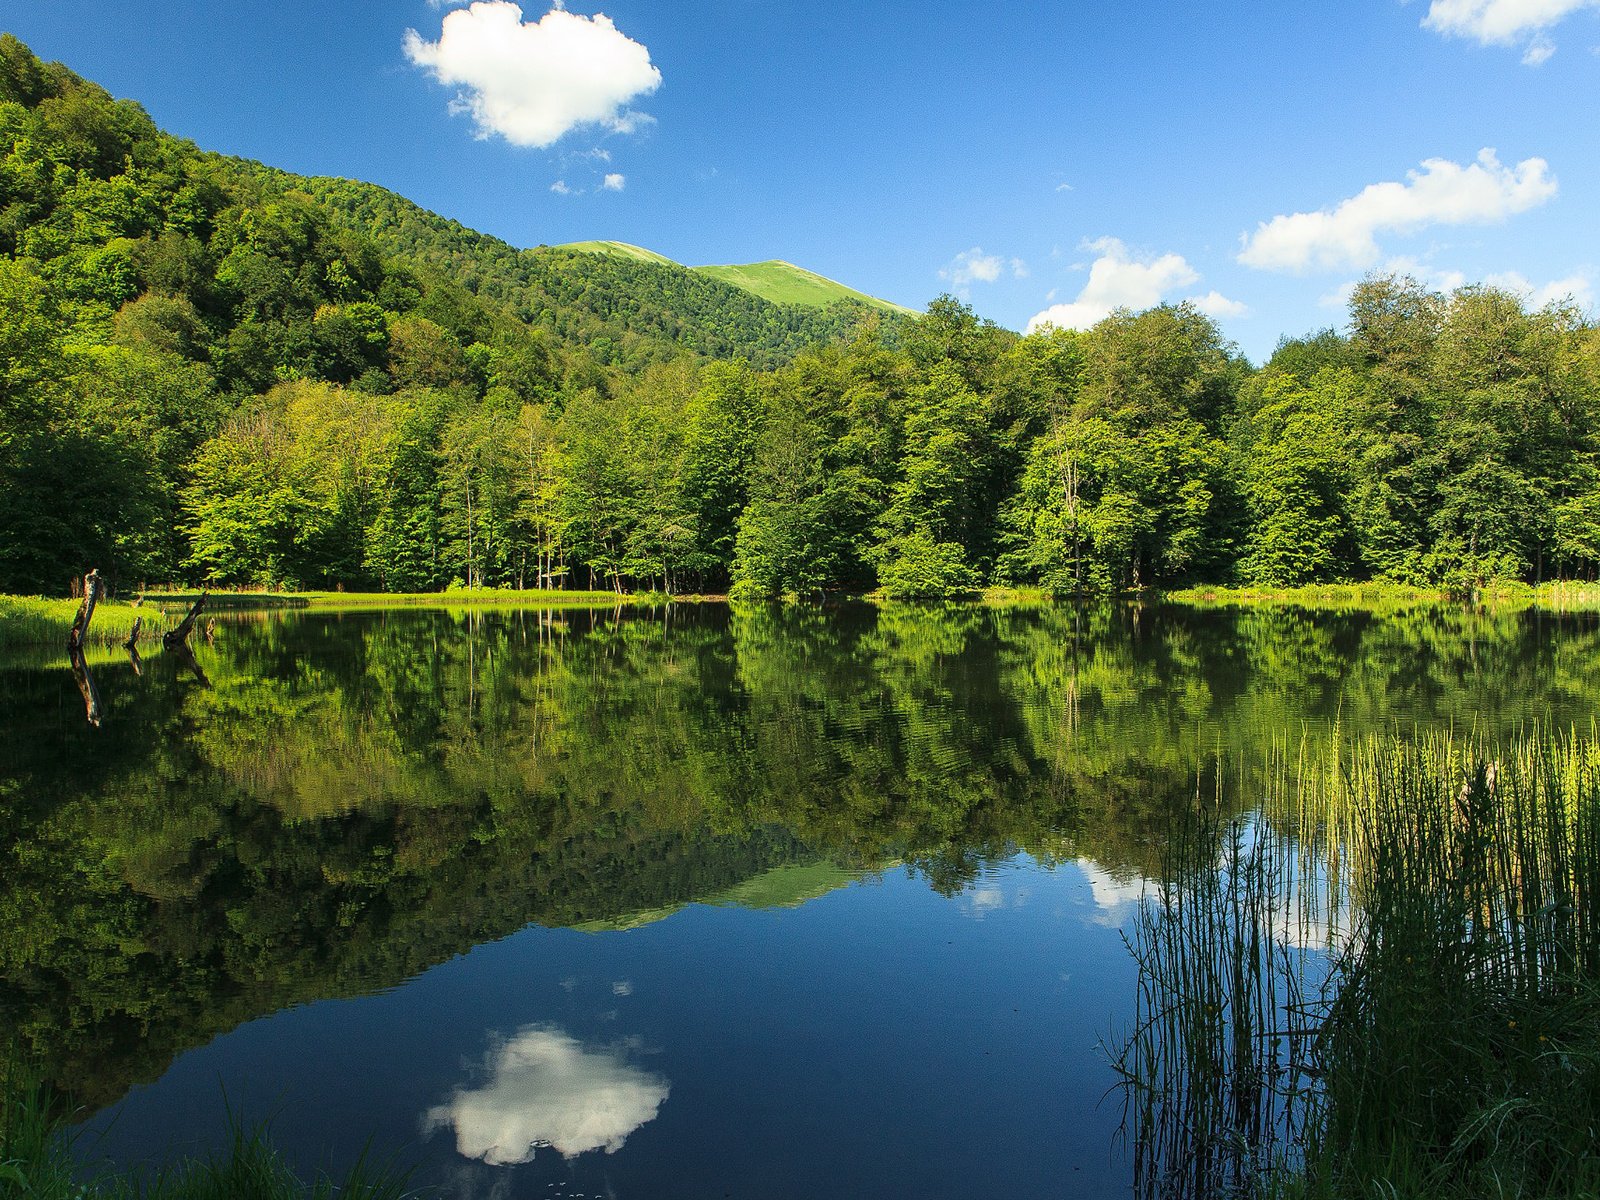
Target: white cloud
[[1505, 22], [615, 182], [973, 266], [1441, 193], [1538, 52], [1116, 897], [545, 1089], [1215, 304], [560, 188], [1577, 288], [1118, 280], [1064, 187], [532, 82], [1339, 298]]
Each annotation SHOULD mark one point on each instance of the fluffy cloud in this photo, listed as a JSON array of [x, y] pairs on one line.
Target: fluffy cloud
[[1118, 280], [545, 1089], [1505, 22], [974, 266], [1441, 193], [1215, 304], [1576, 288], [614, 182], [532, 82], [1116, 896]]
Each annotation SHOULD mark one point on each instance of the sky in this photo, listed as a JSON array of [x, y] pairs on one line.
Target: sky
[[1041, 161]]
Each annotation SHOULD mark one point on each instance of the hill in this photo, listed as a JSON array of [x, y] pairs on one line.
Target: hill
[[785, 283], [774, 281], [619, 250]]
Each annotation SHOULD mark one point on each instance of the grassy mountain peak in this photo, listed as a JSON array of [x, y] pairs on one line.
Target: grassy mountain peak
[[784, 283]]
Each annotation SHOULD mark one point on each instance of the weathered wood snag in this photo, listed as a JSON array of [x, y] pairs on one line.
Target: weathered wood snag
[[80, 623], [180, 650], [174, 638], [132, 646], [86, 688]]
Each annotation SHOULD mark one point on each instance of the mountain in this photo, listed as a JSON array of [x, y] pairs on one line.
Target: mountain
[[619, 250], [775, 281], [785, 283], [111, 209]]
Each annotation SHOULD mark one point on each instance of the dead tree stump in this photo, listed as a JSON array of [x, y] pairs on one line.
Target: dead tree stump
[[80, 623], [180, 636]]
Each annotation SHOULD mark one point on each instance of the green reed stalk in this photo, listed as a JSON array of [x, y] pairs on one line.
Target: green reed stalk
[[36, 1162], [1444, 1041]]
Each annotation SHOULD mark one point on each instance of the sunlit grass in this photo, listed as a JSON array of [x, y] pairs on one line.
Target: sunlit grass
[[454, 598], [35, 621]]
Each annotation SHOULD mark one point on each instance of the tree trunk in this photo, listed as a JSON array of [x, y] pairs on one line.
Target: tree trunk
[[86, 688], [180, 636], [80, 623]]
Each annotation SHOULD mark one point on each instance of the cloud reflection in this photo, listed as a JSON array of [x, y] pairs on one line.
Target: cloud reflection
[[545, 1089]]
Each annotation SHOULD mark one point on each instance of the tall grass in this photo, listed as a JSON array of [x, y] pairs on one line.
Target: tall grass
[[36, 1162], [35, 621], [1443, 892], [1215, 1067]]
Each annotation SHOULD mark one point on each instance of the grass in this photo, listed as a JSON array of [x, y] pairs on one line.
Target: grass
[[619, 250], [454, 598], [1393, 989], [1343, 595], [1561, 596], [785, 283], [35, 621], [36, 1162]]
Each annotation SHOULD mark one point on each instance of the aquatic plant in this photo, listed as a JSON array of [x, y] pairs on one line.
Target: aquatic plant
[[1442, 891], [36, 1161]]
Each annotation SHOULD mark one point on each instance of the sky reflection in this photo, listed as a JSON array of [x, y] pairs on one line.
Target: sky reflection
[[545, 1089]]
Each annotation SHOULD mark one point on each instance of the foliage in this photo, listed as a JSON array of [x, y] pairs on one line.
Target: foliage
[[215, 372], [1387, 984]]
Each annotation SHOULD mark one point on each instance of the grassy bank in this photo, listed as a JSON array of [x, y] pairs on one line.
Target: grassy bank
[[34, 621], [455, 598], [27, 621], [1389, 985], [36, 1163], [1564, 596]]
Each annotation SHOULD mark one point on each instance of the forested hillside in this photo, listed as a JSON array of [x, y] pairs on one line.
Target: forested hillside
[[214, 372]]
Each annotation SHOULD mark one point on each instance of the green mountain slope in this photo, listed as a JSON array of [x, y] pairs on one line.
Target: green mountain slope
[[785, 283], [112, 209], [620, 250], [775, 281]]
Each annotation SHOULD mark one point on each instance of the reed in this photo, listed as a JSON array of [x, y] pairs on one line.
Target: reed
[[1389, 984], [37, 1162], [36, 621]]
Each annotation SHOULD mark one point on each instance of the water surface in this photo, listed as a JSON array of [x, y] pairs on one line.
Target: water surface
[[685, 903]]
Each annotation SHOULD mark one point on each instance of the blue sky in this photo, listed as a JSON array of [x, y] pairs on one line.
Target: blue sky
[[1033, 158]]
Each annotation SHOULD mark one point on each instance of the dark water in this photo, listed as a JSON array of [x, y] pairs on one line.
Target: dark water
[[788, 903]]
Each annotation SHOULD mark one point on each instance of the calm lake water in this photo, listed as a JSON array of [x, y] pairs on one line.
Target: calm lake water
[[699, 903]]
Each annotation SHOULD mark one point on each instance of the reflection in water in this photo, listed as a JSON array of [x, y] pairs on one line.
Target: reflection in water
[[1219, 1068], [545, 1089], [358, 798], [1116, 896]]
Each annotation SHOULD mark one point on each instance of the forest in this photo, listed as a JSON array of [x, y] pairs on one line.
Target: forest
[[216, 373]]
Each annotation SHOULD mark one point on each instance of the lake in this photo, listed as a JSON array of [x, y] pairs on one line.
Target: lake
[[677, 903]]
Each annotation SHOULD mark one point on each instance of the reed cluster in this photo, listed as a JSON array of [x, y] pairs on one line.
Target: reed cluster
[[1387, 982], [36, 621], [36, 1162]]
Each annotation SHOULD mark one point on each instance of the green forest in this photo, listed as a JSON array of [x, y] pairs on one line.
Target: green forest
[[217, 373]]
